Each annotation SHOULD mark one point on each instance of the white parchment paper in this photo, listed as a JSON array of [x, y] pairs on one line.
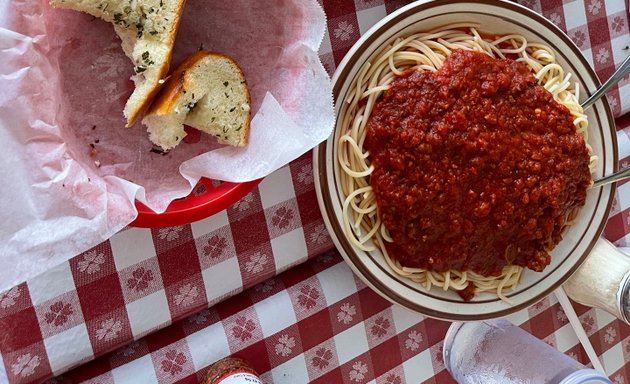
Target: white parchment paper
[[63, 83]]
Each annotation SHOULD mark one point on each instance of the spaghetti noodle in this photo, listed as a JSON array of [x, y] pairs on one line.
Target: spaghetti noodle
[[427, 52]]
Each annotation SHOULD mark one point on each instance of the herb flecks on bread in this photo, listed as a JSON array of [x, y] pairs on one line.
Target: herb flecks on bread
[[208, 92], [147, 29]]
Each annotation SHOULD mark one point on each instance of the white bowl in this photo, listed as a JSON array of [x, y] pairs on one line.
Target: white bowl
[[500, 18]]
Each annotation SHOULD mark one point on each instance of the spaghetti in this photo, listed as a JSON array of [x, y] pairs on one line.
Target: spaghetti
[[427, 52]]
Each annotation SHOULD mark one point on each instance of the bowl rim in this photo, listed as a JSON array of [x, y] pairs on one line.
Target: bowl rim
[[322, 183]]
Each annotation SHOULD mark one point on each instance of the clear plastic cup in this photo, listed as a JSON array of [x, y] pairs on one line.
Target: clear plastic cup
[[498, 351]]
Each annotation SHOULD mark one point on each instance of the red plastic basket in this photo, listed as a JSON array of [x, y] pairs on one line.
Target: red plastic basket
[[204, 201]]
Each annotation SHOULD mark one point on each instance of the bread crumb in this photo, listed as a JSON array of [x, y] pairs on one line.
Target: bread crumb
[[158, 150]]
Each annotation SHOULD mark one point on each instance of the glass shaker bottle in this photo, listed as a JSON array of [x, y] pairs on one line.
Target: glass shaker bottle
[[498, 351], [603, 281]]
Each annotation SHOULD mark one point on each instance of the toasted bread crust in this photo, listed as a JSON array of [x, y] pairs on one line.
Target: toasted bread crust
[[165, 103], [164, 68], [173, 87], [134, 111]]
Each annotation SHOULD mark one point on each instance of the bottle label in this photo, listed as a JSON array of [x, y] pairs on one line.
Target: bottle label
[[239, 378]]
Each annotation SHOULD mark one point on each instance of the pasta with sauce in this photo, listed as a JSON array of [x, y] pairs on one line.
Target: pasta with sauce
[[424, 52]]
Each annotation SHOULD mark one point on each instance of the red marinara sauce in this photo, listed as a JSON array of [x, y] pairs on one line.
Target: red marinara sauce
[[475, 166]]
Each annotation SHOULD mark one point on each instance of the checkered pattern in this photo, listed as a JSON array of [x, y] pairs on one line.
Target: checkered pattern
[[598, 27], [100, 299], [315, 322], [333, 329], [618, 228]]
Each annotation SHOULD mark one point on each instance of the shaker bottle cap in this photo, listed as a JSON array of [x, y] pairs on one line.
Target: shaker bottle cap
[[586, 376]]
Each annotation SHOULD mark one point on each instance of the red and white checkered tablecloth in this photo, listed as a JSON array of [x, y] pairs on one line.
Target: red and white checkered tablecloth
[[314, 322], [318, 323]]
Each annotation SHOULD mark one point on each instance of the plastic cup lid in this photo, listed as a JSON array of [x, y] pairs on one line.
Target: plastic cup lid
[[586, 376]]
